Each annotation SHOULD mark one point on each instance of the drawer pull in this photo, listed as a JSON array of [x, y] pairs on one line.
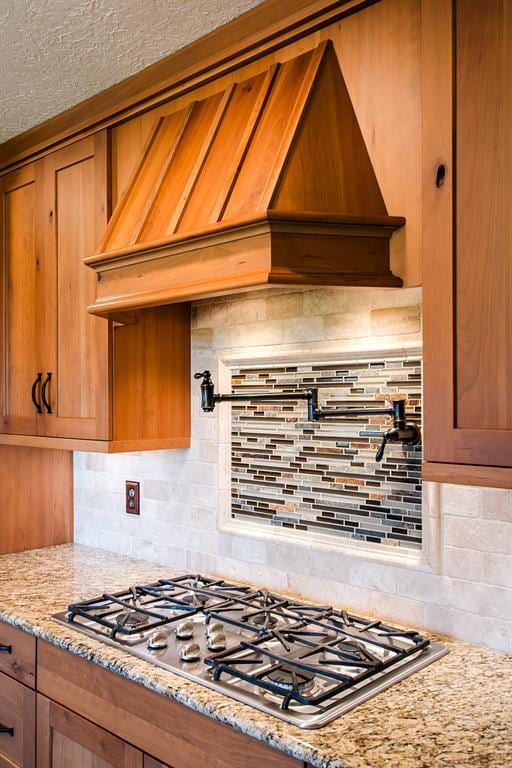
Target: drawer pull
[[35, 385], [4, 729], [43, 393], [5, 648]]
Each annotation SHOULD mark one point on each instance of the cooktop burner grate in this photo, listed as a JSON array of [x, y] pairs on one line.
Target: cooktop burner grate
[[303, 663]]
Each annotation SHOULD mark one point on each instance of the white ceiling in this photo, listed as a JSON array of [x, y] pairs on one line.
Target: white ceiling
[[56, 53]]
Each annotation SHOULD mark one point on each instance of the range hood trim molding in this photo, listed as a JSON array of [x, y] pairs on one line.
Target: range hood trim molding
[[298, 222], [263, 253]]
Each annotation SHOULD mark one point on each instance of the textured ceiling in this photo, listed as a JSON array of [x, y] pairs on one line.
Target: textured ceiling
[[56, 53]]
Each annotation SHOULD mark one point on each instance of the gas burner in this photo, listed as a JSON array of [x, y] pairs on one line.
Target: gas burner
[[192, 599], [356, 650], [131, 620], [289, 680], [264, 619]]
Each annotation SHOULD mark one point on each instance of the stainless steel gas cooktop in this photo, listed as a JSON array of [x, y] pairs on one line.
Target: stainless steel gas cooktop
[[306, 664]]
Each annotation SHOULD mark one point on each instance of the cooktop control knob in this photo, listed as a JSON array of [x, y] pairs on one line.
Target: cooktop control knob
[[185, 630], [190, 652], [157, 640], [217, 642], [214, 628]]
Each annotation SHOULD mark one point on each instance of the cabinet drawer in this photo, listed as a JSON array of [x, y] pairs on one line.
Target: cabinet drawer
[[17, 721], [18, 654]]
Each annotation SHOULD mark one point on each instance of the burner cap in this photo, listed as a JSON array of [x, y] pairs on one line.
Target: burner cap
[[292, 680], [265, 619], [131, 620], [358, 651]]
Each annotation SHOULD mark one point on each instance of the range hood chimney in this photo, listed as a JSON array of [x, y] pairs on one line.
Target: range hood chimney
[[267, 183]]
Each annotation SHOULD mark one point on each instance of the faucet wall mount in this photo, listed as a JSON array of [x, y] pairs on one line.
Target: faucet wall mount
[[402, 431]]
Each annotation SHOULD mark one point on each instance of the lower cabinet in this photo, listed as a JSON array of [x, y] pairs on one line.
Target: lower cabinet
[[88, 717], [17, 724], [65, 739], [171, 733]]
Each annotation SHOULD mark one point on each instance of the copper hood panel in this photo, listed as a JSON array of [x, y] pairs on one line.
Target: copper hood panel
[[265, 183]]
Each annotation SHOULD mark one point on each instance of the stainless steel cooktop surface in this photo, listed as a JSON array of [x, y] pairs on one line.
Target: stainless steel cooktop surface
[[305, 664]]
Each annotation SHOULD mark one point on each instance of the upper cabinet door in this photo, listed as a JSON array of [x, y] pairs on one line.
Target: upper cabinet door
[[468, 256], [22, 302], [75, 203]]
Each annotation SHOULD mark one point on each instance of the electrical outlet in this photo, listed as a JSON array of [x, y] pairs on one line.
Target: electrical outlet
[[132, 497]]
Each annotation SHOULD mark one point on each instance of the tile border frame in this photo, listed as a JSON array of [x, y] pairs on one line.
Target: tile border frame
[[427, 559]]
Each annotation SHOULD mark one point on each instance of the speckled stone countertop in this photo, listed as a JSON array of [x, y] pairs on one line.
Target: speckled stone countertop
[[455, 713]]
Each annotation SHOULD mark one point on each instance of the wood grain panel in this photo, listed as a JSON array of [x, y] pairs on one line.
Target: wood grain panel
[[329, 168], [468, 287], [65, 740], [380, 55], [437, 230], [38, 513], [146, 178], [160, 220], [94, 446], [151, 386], [158, 726], [76, 351], [21, 300], [270, 145], [467, 474], [17, 711], [229, 151], [19, 661], [483, 224]]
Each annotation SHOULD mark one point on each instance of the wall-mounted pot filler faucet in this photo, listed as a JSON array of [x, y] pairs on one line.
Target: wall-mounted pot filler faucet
[[402, 431]]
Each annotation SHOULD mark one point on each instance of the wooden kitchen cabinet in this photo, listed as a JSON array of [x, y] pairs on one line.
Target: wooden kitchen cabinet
[[75, 349], [18, 654], [72, 380], [65, 739], [17, 724], [55, 356], [468, 243], [159, 727], [23, 302]]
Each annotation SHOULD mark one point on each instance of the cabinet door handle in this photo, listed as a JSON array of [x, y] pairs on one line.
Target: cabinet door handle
[[43, 393], [34, 392], [5, 729], [5, 648]]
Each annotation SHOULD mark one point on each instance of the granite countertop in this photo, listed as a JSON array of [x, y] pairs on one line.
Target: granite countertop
[[455, 713]]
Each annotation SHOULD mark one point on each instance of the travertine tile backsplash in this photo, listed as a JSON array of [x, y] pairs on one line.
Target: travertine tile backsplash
[[460, 582]]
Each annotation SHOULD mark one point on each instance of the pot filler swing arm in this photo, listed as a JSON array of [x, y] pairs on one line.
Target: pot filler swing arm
[[402, 431]]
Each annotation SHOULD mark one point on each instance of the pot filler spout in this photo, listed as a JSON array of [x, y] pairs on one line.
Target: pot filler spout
[[402, 431]]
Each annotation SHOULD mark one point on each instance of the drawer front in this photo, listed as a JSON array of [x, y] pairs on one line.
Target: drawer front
[[17, 724], [18, 654]]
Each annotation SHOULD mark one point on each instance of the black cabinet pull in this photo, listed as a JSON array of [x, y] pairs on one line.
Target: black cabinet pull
[[5, 648], [5, 729], [43, 393], [34, 392]]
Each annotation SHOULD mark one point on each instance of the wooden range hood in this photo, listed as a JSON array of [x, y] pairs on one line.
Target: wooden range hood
[[267, 183]]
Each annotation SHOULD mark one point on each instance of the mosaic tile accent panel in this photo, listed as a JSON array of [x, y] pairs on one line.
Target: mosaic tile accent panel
[[322, 476]]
